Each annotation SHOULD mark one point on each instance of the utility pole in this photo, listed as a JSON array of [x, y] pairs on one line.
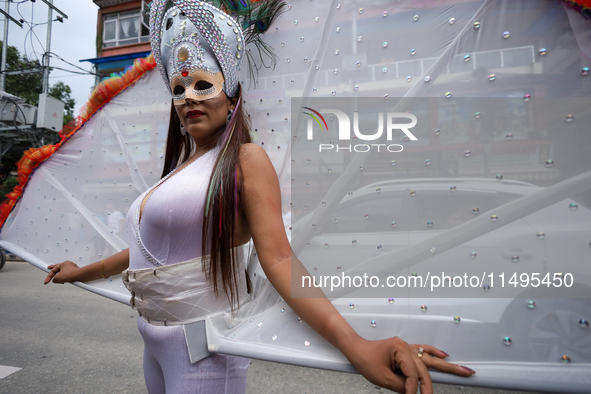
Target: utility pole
[[47, 48], [4, 50], [7, 19], [48, 44]]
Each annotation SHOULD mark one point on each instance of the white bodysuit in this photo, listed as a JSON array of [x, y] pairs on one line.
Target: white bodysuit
[[169, 232]]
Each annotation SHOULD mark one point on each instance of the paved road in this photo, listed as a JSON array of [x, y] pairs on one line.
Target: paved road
[[67, 340]]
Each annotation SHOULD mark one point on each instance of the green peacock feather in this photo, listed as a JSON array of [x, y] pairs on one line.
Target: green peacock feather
[[255, 17]]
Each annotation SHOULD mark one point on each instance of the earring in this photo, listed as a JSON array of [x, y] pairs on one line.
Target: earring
[[229, 116], [183, 131]]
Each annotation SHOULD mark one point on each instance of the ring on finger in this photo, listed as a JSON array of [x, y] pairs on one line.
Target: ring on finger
[[421, 350]]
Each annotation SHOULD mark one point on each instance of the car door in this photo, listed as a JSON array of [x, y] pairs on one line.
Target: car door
[[509, 248], [359, 229]]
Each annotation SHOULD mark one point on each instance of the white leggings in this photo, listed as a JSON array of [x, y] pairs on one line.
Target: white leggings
[[167, 368]]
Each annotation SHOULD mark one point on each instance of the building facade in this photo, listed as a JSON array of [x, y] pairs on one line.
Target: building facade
[[122, 34]]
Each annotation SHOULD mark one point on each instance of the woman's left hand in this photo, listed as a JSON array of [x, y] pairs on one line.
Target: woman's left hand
[[378, 361], [435, 359]]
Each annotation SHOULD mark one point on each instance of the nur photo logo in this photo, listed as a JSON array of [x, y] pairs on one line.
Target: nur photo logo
[[394, 122]]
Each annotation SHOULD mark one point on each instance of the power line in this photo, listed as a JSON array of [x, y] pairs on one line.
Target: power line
[[77, 72], [54, 8], [29, 35], [66, 76], [71, 64], [7, 16], [31, 31], [22, 71], [40, 69]]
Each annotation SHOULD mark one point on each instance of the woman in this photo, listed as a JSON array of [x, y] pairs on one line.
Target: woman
[[189, 225]]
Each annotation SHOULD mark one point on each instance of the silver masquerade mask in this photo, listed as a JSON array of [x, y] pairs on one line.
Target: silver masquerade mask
[[196, 42]]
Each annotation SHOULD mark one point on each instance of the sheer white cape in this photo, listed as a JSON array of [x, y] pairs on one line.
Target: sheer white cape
[[74, 203]]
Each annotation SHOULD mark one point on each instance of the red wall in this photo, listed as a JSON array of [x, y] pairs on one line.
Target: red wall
[[121, 50]]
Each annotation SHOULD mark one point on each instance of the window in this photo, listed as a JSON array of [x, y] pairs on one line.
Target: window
[[146, 13], [124, 29], [382, 212], [447, 209]]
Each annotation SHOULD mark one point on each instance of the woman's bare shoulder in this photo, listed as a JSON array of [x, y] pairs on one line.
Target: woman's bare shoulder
[[252, 151], [255, 162], [254, 156]]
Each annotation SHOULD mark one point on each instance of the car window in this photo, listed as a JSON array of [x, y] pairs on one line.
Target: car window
[[381, 211], [441, 210]]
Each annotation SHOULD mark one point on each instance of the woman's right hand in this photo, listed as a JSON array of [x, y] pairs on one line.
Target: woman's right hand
[[396, 365], [62, 273]]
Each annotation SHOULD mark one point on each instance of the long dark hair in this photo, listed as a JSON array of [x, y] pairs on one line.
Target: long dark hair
[[222, 200]]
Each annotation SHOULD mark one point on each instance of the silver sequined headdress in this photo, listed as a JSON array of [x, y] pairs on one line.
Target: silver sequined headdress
[[190, 35]]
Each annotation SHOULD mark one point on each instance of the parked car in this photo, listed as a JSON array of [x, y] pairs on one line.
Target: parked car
[[390, 216]]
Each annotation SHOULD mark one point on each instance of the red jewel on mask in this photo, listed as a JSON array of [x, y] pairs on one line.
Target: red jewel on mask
[[184, 73]]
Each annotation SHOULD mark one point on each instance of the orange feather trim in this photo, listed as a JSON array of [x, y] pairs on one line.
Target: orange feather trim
[[100, 96]]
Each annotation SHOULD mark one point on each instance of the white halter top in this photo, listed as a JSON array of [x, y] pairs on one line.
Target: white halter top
[[165, 272], [171, 222]]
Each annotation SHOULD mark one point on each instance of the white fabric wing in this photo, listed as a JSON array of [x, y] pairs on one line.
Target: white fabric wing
[[74, 204]]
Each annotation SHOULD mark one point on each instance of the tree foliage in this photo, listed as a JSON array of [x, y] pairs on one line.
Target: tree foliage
[[27, 86], [62, 92], [30, 86]]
